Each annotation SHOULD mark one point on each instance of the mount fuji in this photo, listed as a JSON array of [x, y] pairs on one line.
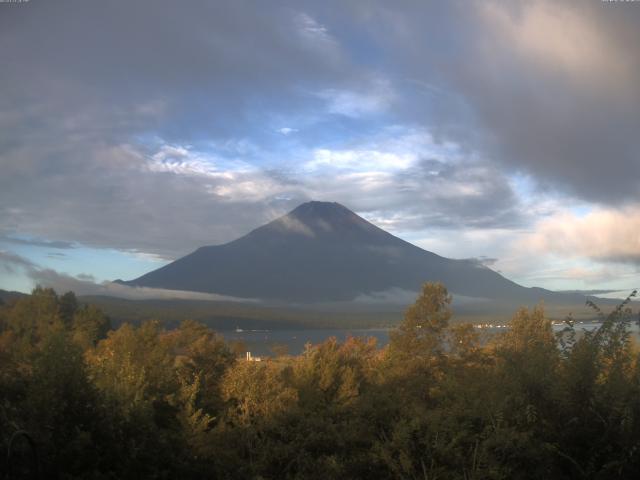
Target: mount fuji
[[324, 252]]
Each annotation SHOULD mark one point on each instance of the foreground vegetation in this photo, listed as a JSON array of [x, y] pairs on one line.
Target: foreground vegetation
[[436, 403]]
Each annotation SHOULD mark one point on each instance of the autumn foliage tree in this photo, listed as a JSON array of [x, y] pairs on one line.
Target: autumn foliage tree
[[423, 329], [439, 401]]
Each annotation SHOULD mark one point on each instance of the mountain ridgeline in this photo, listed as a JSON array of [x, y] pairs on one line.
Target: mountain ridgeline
[[324, 252]]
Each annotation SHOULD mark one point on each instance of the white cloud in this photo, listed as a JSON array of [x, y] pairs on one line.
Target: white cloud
[[143, 293], [392, 296], [295, 226], [85, 284], [394, 148], [316, 38], [558, 36], [373, 160], [226, 179], [603, 235], [350, 103], [311, 29], [182, 160]]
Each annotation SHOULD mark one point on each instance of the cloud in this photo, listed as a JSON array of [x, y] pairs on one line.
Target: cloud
[[376, 97], [392, 296], [287, 130], [175, 133], [552, 91], [136, 169], [9, 262], [485, 261], [169, 199], [563, 37], [603, 235], [540, 87], [294, 225], [113, 197], [37, 242], [359, 160], [433, 193], [86, 277], [186, 72], [146, 293], [85, 284], [314, 34], [399, 297]]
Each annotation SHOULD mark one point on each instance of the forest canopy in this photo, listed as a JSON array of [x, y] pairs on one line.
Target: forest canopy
[[438, 401]]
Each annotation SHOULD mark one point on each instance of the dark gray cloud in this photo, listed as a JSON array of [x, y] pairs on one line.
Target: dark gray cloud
[[112, 200], [188, 70], [118, 197], [544, 88], [87, 79], [37, 242], [464, 196]]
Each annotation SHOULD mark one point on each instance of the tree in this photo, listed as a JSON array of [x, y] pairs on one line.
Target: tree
[[422, 331], [67, 307], [89, 325], [202, 357], [33, 318], [60, 407]]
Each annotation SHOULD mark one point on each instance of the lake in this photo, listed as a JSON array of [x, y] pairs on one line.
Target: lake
[[261, 342]]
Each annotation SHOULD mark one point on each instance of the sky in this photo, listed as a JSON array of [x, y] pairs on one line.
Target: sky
[[132, 133]]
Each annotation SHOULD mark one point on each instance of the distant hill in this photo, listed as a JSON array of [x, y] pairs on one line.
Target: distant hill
[[7, 296], [324, 252]]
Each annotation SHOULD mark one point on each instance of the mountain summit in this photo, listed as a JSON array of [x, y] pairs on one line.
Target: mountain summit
[[321, 221], [322, 251]]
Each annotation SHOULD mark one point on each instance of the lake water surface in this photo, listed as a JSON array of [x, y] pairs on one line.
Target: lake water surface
[[262, 342]]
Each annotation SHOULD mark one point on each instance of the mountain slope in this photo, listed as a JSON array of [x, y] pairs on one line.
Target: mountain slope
[[324, 252]]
